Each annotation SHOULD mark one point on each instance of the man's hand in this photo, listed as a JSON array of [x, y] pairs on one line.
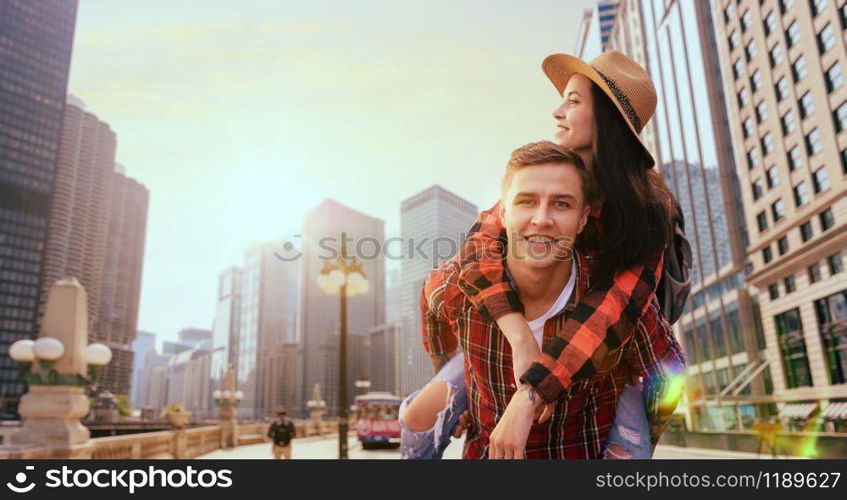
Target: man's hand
[[464, 423], [508, 441]]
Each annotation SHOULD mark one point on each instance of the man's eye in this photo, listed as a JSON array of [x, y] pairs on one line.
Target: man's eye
[[562, 204]]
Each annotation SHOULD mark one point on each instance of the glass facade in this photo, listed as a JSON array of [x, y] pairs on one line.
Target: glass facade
[[795, 362], [35, 51]]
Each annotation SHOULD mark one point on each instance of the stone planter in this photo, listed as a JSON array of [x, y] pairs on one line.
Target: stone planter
[[178, 419]]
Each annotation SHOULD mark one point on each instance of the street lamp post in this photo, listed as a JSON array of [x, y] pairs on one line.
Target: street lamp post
[[344, 276]]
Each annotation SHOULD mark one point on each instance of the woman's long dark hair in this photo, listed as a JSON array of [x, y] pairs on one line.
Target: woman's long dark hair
[[635, 218]]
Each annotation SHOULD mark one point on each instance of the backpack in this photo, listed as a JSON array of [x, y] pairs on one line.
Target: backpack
[[675, 283], [281, 433]]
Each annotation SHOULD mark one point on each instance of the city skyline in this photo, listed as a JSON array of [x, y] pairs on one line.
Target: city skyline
[[212, 122]]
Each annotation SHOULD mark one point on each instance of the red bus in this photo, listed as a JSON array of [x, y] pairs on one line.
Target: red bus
[[377, 419]]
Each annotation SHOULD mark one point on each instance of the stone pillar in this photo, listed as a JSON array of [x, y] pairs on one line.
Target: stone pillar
[[51, 413]]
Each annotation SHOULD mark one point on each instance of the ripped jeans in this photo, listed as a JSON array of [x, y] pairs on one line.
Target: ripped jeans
[[630, 431]]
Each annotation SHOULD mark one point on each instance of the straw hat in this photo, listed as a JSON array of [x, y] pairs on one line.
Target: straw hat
[[625, 82]]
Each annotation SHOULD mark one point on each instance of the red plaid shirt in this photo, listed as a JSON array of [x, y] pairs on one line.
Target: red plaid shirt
[[585, 411]]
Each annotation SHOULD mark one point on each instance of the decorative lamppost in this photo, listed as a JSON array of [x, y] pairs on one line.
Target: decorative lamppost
[[363, 385], [345, 277], [57, 367], [227, 399]]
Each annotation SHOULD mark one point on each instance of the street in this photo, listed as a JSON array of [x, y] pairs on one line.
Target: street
[[327, 447]]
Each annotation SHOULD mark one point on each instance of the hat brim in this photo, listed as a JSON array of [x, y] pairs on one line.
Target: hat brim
[[559, 68]]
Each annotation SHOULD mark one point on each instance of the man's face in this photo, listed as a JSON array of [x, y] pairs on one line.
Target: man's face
[[543, 211]]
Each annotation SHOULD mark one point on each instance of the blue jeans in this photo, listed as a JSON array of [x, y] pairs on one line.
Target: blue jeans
[[630, 430]]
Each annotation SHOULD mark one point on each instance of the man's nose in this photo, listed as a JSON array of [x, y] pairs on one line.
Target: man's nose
[[541, 217]]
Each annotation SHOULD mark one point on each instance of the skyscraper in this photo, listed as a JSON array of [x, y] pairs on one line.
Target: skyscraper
[[689, 140], [195, 337], [226, 325], [268, 321], [145, 342], [79, 221], [441, 219], [36, 40], [320, 318], [383, 358], [117, 321], [783, 69]]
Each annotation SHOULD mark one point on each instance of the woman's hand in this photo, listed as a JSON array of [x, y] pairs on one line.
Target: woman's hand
[[508, 441]]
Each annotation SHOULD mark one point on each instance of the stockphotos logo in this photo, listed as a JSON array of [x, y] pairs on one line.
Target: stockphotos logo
[[131, 479], [21, 478]]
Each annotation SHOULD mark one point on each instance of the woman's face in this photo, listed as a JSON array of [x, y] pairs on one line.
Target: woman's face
[[575, 116]]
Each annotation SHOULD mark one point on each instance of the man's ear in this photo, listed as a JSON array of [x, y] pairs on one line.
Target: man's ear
[[586, 211]]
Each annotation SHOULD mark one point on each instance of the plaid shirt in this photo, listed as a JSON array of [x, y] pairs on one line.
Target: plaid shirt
[[585, 412]]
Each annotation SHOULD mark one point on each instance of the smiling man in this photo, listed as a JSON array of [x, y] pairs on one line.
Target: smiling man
[[545, 204]]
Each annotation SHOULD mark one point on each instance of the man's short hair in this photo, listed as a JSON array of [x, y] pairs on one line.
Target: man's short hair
[[543, 153]]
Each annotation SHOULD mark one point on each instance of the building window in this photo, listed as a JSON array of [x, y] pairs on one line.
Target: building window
[[778, 211], [806, 231], [767, 144], [761, 111], [772, 177], [750, 50], [792, 34], [813, 142], [815, 272], [743, 97], [738, 69], [826, 38], [827, 219], [762, 221], [729, 12], [835, 263], [770, 23], [734, 40], [767, 254], [736, 341], [781, 88], [746, 20], [752, 158], [782, 245], [788, 123], [844, 161], [756, 81], [795, 158], [718, 342], [807, 105], [839, 116], [775, 55], [757, 189], [748, 127], [792, 345], [820, 181], [783, 6], [801, 194], [817, 6], [842, 14], [834, 78], [798, 69], [790, 284], [832, 318], [773, 291]]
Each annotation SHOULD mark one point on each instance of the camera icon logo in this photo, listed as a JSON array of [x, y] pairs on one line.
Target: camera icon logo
[[20, 478]]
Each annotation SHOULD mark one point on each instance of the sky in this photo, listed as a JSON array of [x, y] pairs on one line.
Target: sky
[[240, 117]]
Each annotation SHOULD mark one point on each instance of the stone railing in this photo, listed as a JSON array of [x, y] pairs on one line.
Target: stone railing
[[181, 443]]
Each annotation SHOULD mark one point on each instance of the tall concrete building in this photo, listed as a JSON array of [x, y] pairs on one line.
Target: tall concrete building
[[726, 377], [79, 220], [152, 385], [383, 358], [595, 29], [783, 70], [392, 295], [268, 321], [36, 40], [145, 342], [441, 219], [320, 317], [187, 377], [226, 324], [121, 289]]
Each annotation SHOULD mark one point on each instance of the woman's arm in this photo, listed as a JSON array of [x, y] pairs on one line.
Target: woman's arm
[[485, 282]]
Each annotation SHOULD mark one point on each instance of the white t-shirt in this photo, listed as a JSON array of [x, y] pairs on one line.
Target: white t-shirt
[[537, 325]]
